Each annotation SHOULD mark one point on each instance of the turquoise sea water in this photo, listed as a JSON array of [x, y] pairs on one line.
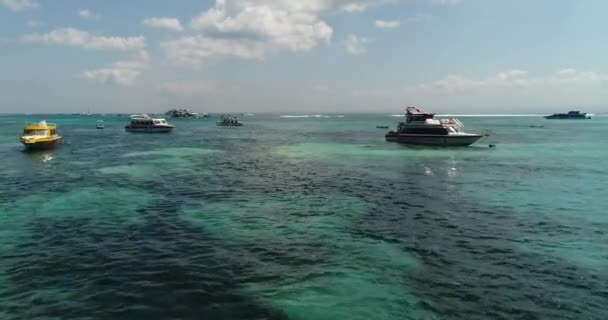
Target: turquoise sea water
[[304, 218]]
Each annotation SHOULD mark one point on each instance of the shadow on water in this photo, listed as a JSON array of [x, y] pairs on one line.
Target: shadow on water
[[473, 266], [158, 270]]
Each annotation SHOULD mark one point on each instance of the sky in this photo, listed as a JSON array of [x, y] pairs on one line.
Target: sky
[[303, 56]]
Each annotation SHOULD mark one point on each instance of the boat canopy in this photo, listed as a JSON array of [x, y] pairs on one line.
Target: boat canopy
[[415, 114]]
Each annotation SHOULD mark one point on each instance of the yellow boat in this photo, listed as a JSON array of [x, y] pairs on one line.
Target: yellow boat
[[41, 135]]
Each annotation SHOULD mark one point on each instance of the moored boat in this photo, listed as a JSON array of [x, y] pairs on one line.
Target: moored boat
[[422, 128], [40, 136], [229, 121], [577, 115], [181, 113], [145, 123]]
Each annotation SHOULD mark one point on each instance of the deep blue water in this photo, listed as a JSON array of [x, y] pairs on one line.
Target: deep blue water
[[304, 218]]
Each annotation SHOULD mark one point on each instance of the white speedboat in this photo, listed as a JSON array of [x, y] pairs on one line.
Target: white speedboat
[[145, 123], [423, 129]]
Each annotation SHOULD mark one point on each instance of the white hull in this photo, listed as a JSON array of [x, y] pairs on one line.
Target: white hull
[[460, 140], [155, 129]]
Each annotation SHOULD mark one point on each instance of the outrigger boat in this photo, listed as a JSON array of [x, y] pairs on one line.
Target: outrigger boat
[[40, 136], [423, 129]]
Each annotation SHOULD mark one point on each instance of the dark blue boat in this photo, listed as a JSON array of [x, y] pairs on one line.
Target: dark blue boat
[[570, 115]]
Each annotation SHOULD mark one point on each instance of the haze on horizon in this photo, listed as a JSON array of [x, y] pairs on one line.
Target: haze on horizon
[[303, 56]]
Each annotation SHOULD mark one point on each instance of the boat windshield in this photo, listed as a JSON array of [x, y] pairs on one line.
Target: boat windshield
[[27, 132]]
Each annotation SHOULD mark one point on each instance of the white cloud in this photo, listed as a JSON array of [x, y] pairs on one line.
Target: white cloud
[[445, 2], [194, 50], [382, 24], [188, 89], [122, 77], [19, 5], [354, 7], [78, 38], [360, 6], [34, 23], [87, 14], [164, 23], [251, 29], [257, 28], [122, 73], [416, 18], [391, 24], [281, 26], [515, 88], [355, 45], [454, 83], [511, 91]]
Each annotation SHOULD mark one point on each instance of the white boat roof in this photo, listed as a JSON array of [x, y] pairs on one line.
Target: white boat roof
[[144, 117]]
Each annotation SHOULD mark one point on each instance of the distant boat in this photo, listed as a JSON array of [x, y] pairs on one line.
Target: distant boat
[[381, 127], [181, 113], [100, 124], [145, 123], [229, 121], [570, 115]]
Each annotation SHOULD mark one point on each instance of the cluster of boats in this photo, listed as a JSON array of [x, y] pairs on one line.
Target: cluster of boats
[[419, 128], [44, 135]]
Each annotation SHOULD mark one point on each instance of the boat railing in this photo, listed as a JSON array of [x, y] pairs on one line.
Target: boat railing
[[452, 122]]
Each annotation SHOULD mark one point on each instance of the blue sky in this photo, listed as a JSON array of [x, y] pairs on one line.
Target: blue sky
[[457, 56]]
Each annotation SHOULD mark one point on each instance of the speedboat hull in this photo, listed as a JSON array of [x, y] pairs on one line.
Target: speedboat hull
[[40, 145], [461, 140], [150, 129]]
